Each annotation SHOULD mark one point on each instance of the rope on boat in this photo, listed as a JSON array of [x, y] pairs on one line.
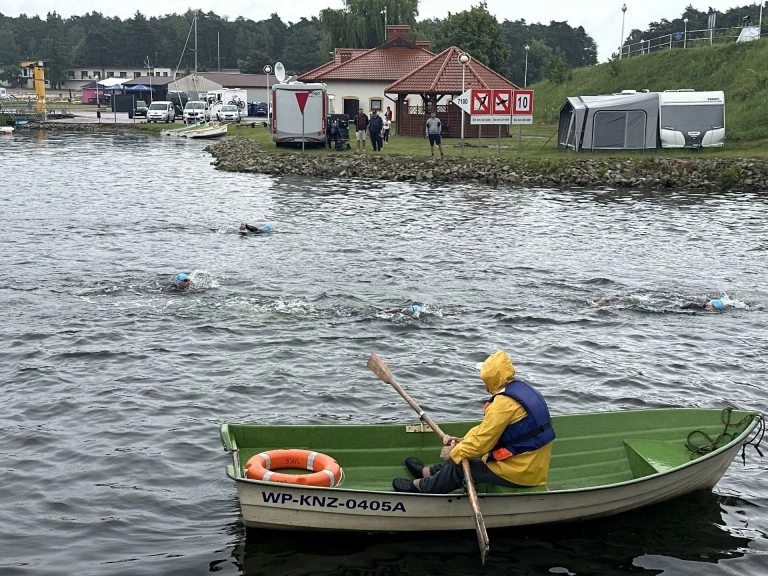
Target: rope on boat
[[699, 448]]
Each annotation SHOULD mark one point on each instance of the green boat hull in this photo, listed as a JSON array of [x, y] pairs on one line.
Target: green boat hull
[[602, 463]]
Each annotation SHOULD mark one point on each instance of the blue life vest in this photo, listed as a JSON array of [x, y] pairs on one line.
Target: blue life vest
[[530, 433]]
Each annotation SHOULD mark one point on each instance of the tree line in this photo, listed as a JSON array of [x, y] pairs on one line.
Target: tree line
[[95, 40]]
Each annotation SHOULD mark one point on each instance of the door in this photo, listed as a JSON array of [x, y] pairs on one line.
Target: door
[[351, 106]]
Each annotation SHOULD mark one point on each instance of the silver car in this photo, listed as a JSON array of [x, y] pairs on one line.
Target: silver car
[[228, 113]]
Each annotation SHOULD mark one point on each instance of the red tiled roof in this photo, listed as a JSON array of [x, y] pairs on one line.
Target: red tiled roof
[[442, 75], [389, 61]]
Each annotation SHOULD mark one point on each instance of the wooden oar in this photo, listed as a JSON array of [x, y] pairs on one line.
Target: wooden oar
[[378, 367]]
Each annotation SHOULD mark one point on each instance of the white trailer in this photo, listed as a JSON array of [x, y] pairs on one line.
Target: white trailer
[[287, 117], [689, 119]]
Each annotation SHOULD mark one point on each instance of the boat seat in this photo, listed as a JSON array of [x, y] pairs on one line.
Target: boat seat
[[496, 489], [648, 457]]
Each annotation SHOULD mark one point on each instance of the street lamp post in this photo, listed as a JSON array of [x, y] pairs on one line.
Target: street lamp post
[[685, 34], [463, 60], [525, 85], [384, 11], [623, 14]]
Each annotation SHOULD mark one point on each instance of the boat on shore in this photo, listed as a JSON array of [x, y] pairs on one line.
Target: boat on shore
[[602, 463], [6, 130], [207, 130], [202, 130]]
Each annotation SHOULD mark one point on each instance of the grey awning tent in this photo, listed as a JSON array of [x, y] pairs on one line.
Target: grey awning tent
[[611, 122]]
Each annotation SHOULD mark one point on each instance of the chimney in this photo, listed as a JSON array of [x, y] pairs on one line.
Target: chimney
[[423, 44], [345, 55], [398, 31]]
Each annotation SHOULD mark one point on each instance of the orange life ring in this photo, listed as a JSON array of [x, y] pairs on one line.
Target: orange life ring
[[326, 471]]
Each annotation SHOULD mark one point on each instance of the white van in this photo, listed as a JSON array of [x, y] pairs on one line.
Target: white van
[[689, 119], [196, 111], [161, 111], [289, 125]]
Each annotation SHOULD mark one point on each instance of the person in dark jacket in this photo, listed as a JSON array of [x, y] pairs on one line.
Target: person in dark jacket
[[376, 127], [361, 126], [511, 447]]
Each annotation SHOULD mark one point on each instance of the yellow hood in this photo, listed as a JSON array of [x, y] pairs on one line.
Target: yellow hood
[[497, 371]]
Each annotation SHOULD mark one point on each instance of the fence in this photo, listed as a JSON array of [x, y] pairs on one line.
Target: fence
[[690, 39]]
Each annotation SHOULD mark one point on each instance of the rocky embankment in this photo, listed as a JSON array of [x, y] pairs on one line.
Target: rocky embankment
[[244, 155]]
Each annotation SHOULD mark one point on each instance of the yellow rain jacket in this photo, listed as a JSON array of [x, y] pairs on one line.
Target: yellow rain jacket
[[527, 469]]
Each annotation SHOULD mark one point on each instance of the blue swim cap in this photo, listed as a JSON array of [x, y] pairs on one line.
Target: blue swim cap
[[415, 308], [718, 304], [266, 228], [181, 277]]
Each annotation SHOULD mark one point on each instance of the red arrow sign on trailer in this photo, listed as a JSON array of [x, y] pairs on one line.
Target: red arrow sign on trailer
[[301, 98]]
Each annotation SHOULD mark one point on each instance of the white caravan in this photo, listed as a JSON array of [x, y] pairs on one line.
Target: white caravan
[[689, 119], [236, 97], [287, 117]]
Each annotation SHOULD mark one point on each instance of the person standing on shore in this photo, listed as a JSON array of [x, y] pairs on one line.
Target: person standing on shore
[[361, 126], [387, 126], [376, 127], [432, 131]]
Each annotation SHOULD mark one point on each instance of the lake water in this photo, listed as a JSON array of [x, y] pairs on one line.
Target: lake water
[[113, 390]]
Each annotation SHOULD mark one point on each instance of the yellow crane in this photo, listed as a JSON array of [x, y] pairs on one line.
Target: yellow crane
[[38, 74]]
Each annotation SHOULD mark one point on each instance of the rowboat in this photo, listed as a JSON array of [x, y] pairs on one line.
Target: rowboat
[[6, 130], [208, 130], [603, 463]]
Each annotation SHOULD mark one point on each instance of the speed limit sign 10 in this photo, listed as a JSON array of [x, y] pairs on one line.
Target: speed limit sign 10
[[522, 102]]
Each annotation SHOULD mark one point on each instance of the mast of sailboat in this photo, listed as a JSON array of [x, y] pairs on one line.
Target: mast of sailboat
[[218, 51], [195, 42]]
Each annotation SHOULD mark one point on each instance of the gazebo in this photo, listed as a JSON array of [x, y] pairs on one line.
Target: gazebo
[[437, 82]]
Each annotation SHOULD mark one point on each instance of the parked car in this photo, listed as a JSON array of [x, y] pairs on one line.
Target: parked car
[[161, 111], [140, 109], [228, 113], [196, 111], [262, 109]]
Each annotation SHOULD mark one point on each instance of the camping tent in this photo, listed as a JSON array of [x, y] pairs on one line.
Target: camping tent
[[611, 122]]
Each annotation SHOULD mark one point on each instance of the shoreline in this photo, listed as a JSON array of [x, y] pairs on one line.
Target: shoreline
[[239, 154]]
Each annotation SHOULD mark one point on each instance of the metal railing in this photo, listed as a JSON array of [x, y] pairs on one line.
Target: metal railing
[[687, 39]]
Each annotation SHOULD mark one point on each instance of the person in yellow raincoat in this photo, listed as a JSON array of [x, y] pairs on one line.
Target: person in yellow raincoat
[[510, 447]]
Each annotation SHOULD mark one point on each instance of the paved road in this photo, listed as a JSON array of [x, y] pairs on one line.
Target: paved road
[[108, 117]]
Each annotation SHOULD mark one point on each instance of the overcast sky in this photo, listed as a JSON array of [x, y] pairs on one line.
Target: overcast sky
[[600, 18]]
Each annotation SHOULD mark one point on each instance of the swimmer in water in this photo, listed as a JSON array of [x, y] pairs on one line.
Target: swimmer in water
[[180, 283], [414, 310], [245, 229], [715, 305]]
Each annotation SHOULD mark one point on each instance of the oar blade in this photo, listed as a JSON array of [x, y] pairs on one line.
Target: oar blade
[[378, 367]]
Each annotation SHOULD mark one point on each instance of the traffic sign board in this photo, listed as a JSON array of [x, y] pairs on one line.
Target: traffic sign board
[[480, 102], [502, 102], [485, 119], [522, 103], [463, 101]]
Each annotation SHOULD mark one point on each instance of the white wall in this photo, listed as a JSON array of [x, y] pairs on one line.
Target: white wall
[[363, 91]]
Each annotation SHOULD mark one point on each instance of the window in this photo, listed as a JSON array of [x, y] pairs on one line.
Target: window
[[97, 74], [619, 129], [71, 74], [83, 74], [136, 74], [165, 73], [110, 74], [123, 75], [376, 104]]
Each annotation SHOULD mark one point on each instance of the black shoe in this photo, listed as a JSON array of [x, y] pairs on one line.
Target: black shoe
[[404, 485], [415, 466]]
